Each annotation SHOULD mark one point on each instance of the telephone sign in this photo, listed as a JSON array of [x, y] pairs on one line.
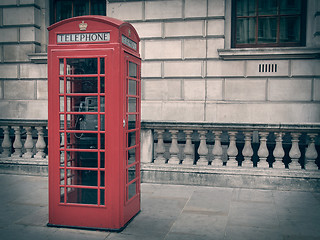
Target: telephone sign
[[94, 123]]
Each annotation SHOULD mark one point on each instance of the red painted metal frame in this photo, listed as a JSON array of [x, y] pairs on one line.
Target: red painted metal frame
[[115, 210]]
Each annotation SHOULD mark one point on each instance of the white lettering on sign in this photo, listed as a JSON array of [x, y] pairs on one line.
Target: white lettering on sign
[[83, 37], [129, 42]]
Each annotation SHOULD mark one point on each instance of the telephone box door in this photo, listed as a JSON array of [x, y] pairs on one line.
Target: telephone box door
[[132, 133], [85, 180]]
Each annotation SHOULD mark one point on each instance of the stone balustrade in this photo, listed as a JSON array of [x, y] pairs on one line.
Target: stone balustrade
[[264, 155], [23, 142], [261, 146]]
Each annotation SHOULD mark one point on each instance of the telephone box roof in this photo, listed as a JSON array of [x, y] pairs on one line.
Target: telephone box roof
[[103, 19]]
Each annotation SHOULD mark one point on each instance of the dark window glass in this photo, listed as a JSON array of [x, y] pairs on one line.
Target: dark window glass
[[268, 23], [63, 9]]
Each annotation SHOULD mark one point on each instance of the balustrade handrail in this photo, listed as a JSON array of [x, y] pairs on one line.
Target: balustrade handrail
[[285, 127], [23, 122]]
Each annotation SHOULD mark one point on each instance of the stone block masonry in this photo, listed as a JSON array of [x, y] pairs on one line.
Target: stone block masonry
[[182, 68], [23, 84]]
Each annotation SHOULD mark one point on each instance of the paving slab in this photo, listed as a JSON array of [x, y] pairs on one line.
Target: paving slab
[[170, 212]]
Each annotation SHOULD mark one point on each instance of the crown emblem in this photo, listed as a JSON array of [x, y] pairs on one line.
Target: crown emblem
[[83, 26], [129, 32]]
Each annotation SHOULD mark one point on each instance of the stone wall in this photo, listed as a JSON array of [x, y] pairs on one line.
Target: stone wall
[[189, 71], [23, 84], [187, 78]]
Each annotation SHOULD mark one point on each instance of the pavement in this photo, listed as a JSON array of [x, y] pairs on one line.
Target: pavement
[[170, 212]]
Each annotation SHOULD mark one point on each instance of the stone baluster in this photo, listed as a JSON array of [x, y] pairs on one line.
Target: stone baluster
[[203, 149], [217, 150], [278, 152], [247, 151], [232, 150], [28, 145], [17, 144], [188, 150], [41, 144], [174, 148], [294, 152], [160, 150], [6, 143], [311, 154], [263, 151]]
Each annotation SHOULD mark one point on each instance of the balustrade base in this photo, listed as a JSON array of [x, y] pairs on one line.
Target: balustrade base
[[272, 179], [23, 166]]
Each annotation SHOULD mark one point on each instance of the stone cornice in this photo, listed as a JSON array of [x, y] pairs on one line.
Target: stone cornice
[[269, 53]]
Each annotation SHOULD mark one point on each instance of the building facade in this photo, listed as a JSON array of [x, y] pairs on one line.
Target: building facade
[[191, 71], [207, 65]]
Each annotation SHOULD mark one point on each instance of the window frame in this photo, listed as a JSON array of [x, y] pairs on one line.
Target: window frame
[[53, 9], [303, 27]]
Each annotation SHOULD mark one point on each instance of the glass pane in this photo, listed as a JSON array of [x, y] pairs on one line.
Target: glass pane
[[63, 9], [289, 29], [102, 138], [131, 190], [84, 177], [61, 64], [102, 104], [62, 157], [61, 81], [61, 103], [62, 194], [83, 141], [102, 179], [132, 88], [267, 30], [246, 30], [102, 85], [290, 6], [131, 139], [82, 196], [82, 85], [102, 162], [80, 8], [102, 197], [267, 7], [131, 122], [80, 122], [132, 70], [83, 159], [61, 176], [98, 7], [102, 65], [246, 7], [131, 156], [82, 66], [82, 104], [132, 102], [103, 122], [131, 173]]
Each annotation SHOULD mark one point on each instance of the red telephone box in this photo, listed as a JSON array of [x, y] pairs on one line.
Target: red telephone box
[[93, 123]]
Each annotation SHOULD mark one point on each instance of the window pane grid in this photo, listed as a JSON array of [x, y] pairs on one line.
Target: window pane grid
[[82, 147], [274, 23], [64, 9]]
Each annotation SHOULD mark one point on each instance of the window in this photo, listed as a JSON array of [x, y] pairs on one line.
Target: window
[[268, 23], [64, 9]]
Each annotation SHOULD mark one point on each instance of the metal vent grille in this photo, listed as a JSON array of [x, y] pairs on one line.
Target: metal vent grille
[[268, 67]]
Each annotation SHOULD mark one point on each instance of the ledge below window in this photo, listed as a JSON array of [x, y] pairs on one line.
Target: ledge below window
[[269, 53], [38, 57]]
